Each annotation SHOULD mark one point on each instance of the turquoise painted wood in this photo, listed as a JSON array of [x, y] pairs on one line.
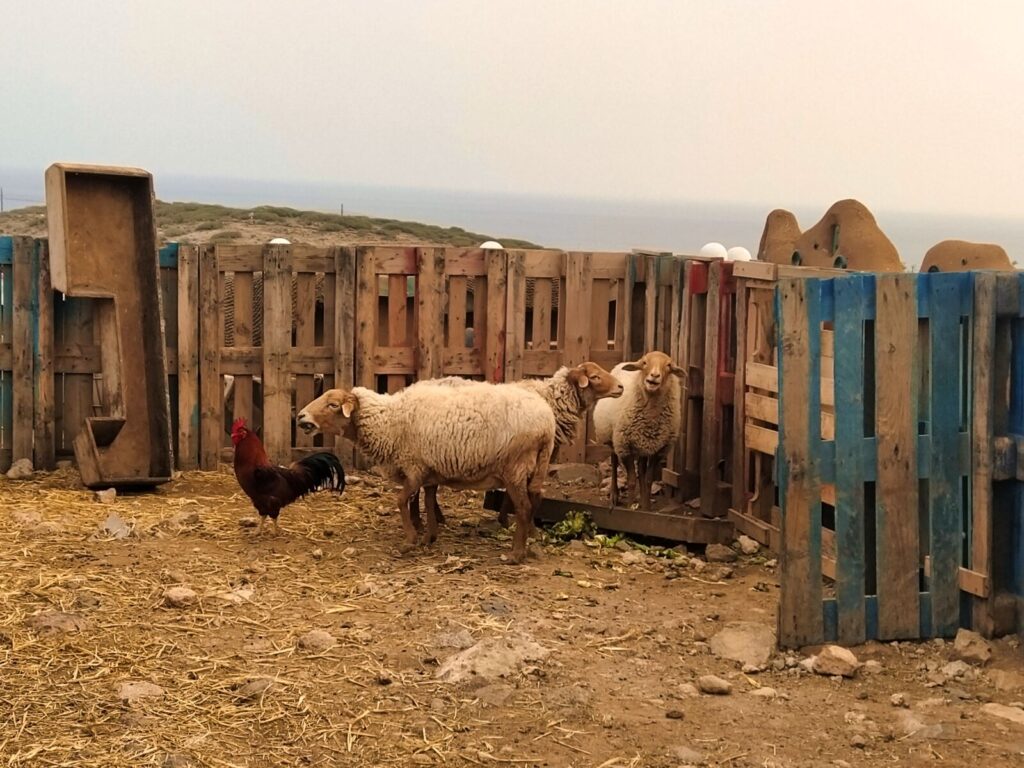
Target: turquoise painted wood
[[850, 461]]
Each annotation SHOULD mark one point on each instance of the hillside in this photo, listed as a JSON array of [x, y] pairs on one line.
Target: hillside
[[205, 223]]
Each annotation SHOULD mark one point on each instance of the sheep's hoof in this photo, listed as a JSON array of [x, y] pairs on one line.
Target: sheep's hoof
[[517, 558], [406, 547]]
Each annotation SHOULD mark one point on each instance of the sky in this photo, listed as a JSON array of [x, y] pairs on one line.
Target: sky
[[913, 105]]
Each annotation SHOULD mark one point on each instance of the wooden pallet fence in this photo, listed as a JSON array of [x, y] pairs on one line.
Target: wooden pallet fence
[[703, 342], [899, 465]]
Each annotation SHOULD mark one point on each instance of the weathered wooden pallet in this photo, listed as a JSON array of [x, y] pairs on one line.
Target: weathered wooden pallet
[[899, 464]]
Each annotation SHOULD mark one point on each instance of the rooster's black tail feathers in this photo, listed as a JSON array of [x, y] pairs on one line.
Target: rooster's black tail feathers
[[324, 470]]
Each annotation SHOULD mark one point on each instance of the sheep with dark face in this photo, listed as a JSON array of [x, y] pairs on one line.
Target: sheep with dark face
[[642, 424]]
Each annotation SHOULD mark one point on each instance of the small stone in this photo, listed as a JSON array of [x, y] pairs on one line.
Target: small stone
[[237, 596], [899, 700], [686, 755], [1004, 680], [916, 728], [720, 573], [114, 526], [778, 664], [495, 694], [316, 640], [748, 546], [872, 667], [106, 496], [348, 551], [719, 553], [131, 692], [773, 563], [20, 470], [697, 564], [955, 670], [633, 557], [971, 647], [836, 660], [841, 764], [675, 714], [1003, 712], [764, 692], [460, 640], [745, 642], [714, 686], [180, 597], [751, 669], [248, 522], [254, 689], [57, 621], [317, 554], [687, 690], [858, 741], [807, 665]]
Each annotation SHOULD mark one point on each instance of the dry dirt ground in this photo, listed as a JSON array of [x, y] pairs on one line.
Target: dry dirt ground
[[97, 669]]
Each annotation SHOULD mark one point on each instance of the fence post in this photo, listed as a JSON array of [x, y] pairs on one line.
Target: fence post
[[366, 316], [45, 448], [277, 342], [344, 331], [579, 285], [983, 387], [25, 326], [211, 339], [430, 289], [188, 357], [494, 345]]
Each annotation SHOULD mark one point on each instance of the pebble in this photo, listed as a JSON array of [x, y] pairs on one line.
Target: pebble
[[57, 621], [719, 553], [714, 686], [858, 741], [130, 692], [748, 546], [688, 689], [899, 700], [1003, 712], [249, 522], [971, 647], [180, 597], [686, 755], [20, 470], [675, 714], [316, 640], [106, 496], [956, 669], [834, 660], [872, 667], [764, 692], [317, 554], [254, 689]]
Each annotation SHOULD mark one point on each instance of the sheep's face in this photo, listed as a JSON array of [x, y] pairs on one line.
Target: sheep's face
[[655, 368], [331, 413], [594, 382]]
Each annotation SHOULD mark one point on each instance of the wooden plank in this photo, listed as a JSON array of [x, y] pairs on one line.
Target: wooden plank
[[472, 263], [277, 342], [24, 325], [578, 298], [801, 620], [600, 306], [851, 299], [711, 502], [897, 538], [345, 331], [740, 477], [629, 351], [650, 302], [366, 317], [243, 337], [211, 336], [44, 448], [305, 338], [944, 498], [515, 315], [971, 582], [541, 313], [397, 322], [6, 355], [188, 357], [457, 300], [496, 343], [759, 439], [76, 328], [430, 303], [983, 400]]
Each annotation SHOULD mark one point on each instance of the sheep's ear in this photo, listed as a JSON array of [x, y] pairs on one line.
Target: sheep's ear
[[579, 375], [631, 367], [678, 371], [348, 407]]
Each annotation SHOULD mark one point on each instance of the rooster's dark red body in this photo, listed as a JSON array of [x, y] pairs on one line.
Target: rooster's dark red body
[[271, 487]]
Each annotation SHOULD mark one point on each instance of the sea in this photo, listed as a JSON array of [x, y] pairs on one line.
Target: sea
[[680, 226]]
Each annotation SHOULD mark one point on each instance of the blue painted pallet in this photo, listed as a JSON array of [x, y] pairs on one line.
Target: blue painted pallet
[[920, 432]]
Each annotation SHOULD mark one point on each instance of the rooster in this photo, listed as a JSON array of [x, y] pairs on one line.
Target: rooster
[[273, 487]]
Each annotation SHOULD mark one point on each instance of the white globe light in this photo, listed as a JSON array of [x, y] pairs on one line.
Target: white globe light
[[713, 251], [738, 253], [280, 241], [491, 245]]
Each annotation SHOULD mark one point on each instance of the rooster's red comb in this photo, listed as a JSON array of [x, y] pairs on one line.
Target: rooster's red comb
[[237, 425]]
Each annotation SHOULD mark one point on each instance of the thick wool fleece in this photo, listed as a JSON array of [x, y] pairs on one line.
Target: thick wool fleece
[[639, 423]]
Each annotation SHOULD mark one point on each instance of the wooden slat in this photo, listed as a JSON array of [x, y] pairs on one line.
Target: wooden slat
[[277, 328], [578, 298], [344, 333], [971, 582], [601, 303], [983, 398], [800, 613], [759, 439], [243, 337], [44, 448], [366, 317], [6, 357], [457, 290], [740, 407], [897, 484], [188, 357], [23, 326], [305, 338], [515, 316], [397, 322], [211, 330], [541, 313], [471, 263], [850, 297], [712, 504], [650, 302], [430, 302], [945, 529], [495, 330]]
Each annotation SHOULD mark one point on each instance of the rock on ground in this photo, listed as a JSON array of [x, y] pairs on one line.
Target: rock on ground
[[955, 669], [317, 640], [459, 640], [130, 692], [746, 642], [835, 660], [1003, 712], [971, 647], [748, 546], [492, 658], [686, 755], [764, 692], [106, 496], [254, 689], [584, 474], [114, 526], [713, 685], [57, 621], [719, 553], [20, 470], [1004, 680], [914, 727], [180, 597]]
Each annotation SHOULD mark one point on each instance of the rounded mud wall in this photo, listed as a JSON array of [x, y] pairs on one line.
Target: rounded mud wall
[[962, 256]]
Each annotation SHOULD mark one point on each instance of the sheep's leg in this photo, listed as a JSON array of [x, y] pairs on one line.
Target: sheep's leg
[[521, 500], [630, 462], [404, 495], [414, 511], [615, 479], [437, 507], [535, 486], [432, 514], [643, 489], [506, 508]]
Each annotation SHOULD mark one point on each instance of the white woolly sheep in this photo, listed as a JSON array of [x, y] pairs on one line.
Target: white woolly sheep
[[570, 392], [641, 424], [475, 436]]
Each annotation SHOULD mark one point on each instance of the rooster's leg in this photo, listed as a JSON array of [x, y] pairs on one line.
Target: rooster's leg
[[259, 528], [277, 528], [408, 489]]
